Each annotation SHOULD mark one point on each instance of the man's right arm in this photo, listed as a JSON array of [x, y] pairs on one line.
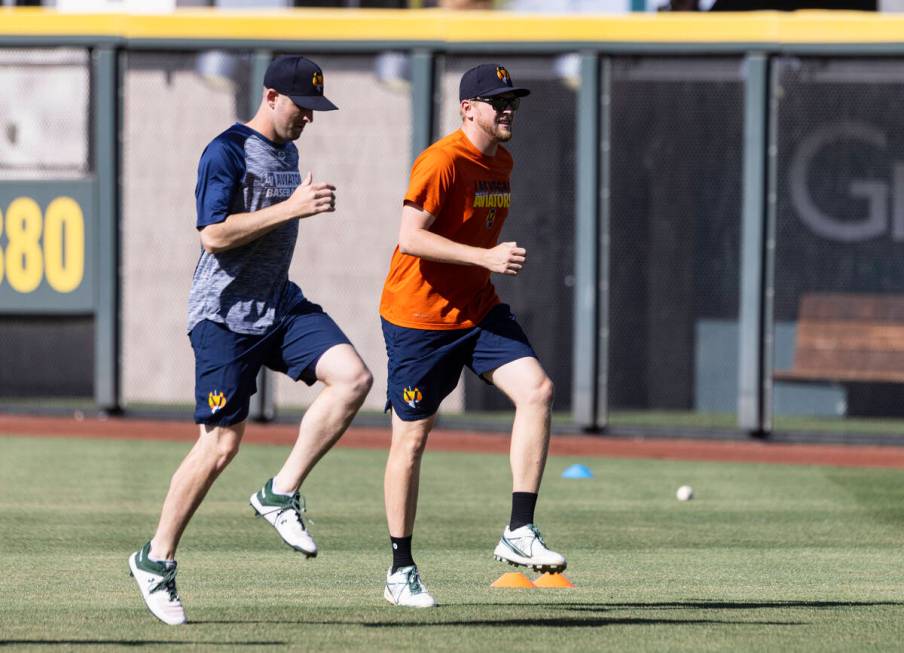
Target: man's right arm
[[241, 228], [416, 239]]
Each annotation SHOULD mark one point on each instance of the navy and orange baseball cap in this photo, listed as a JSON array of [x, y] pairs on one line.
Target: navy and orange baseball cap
[[300, 79], [487, 80]]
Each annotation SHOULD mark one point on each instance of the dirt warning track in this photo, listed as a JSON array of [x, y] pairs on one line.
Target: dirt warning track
[[449, 440]]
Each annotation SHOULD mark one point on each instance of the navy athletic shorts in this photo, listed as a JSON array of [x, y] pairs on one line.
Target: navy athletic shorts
[[425, 365], [227, 363]]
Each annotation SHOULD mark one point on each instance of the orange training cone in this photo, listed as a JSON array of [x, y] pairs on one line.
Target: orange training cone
[[553, 581], [513, 580]]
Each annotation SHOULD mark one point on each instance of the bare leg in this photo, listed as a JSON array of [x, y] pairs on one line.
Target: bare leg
[[216, 446], [346, 381], [400, 485], [526, 384], [403, 469]]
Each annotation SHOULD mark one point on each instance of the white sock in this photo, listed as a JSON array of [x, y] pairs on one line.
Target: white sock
[[153, 559], [275, 491]]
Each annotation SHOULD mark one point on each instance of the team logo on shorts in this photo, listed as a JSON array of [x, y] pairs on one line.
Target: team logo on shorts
[[503, 75], [317, 81], [216, 401], [412, 396]]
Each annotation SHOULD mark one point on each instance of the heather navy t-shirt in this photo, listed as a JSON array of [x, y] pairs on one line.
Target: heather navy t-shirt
[[246, 288]]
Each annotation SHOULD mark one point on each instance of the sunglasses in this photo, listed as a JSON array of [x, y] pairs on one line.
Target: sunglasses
[[500, 103]]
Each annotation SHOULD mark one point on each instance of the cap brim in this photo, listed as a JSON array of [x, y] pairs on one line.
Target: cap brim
[[313, 102], [502, 90]]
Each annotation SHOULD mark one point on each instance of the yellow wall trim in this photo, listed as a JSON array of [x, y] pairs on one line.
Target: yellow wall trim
[[804, 27]]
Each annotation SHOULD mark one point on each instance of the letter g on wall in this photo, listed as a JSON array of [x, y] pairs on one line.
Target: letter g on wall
[[874, 191]]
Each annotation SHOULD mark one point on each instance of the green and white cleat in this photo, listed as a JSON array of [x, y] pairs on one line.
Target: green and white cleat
[[524, 547], [405, 588], [284, 514], [157, 584]]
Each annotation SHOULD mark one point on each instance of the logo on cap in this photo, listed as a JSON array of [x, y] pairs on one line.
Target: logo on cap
[[503, 75], [317, 81]]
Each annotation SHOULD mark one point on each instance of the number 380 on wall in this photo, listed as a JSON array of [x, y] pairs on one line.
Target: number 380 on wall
[[36, 246]]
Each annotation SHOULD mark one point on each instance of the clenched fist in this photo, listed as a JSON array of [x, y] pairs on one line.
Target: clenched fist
[[310, 198], [505, 258]]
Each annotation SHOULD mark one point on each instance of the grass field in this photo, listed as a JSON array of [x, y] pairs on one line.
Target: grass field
[[767, 558]]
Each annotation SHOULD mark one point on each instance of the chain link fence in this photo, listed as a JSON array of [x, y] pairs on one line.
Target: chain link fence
[[839, 225], [676, 133], [672, 277]]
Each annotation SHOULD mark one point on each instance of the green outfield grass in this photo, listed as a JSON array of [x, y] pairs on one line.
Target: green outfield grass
[[767, 558]]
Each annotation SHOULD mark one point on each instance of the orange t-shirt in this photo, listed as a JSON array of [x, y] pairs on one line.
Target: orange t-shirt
[[469, 194]]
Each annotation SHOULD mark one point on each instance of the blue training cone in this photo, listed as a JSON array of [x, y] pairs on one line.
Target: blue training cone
[[577, 471]]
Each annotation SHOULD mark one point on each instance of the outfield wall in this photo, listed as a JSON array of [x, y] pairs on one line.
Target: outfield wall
[[681, 182], [341, 258]]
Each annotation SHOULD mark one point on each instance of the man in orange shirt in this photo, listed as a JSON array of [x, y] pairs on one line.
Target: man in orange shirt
[[440, 313]]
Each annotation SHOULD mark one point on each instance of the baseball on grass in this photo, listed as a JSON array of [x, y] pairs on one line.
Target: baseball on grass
[[685, 493]]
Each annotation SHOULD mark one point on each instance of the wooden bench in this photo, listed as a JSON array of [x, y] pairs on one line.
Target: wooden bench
[[848, 338]]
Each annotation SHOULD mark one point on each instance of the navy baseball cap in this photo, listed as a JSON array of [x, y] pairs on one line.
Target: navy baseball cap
[[300, 79], [487, 80]]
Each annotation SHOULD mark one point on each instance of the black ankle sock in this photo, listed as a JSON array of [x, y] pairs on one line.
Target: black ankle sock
[[401, 552], [523, 504]]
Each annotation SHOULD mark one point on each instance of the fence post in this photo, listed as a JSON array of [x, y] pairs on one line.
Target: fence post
[[423, 103], [751, 416], [588, 362]]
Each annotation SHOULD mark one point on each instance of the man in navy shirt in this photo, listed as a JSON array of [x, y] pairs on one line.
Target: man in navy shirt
[[244, 313]]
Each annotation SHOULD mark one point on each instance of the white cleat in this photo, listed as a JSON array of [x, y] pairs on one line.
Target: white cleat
[[157, 584], [525, 547], [284, 514], [404, 587]]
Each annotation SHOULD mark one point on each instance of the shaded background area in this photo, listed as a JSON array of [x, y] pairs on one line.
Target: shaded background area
[[676, 131], [840, 209]]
